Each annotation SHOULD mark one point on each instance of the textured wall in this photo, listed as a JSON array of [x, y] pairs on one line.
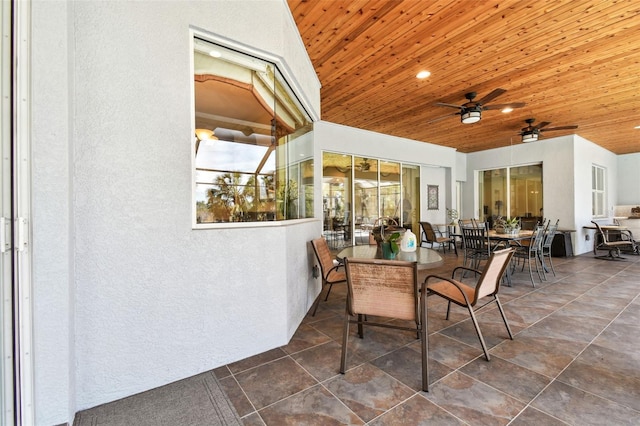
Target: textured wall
[[152, 300], [567, 164], [52, 224], [629, 179]]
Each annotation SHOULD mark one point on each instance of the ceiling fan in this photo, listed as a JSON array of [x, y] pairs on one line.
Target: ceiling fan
[[471, 112], [364, 166], [531, 133]]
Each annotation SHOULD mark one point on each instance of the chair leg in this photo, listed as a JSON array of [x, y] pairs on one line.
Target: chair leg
[[504, 317], [328, 291], [543, 276], [475, 324], [360, 326], [551, 264], [530, 270], [345, 336], [424, 338], [448, 309]]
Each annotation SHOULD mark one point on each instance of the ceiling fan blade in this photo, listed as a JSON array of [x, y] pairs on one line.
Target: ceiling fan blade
[[491, 96], [561, 128], [447, 105], [543, 124], [442, 118], [503, 106]]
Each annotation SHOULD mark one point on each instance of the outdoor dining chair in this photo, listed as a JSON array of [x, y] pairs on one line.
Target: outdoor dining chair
[[476, 245], [332, 272], [613, 247], [545, 251], [432, 236], [387, 289], [532, 252], [488, 284]]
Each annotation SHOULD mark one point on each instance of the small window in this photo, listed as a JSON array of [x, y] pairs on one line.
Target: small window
[[598, 191], [253, 154]]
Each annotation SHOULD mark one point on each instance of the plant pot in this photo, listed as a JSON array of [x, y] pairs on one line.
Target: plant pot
[[387, 251]]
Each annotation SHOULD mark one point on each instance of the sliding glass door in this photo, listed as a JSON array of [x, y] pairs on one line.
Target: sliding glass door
[[356, 191], [512, 192]]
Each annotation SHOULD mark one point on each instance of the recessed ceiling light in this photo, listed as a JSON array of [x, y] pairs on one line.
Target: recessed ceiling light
[[507, 110], [215, 54], [423, 74], [637, 127]]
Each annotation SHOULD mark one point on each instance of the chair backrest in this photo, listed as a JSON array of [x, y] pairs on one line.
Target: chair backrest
[[550, 232], [465, 223], [429, 233], [489, 282], [387, 288], [537, 237], [475, 238], [602, 234], [325, 258]]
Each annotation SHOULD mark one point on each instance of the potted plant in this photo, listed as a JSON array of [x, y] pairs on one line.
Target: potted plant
[[389, 244], [452, 214], [507, 226]]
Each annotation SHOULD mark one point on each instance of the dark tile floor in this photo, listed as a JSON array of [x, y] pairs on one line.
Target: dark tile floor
[[575, 360]]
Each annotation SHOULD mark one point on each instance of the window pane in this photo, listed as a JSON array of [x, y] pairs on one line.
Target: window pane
[[494, 195], [366, 187], [411, 198], [526, 191], [249, 139]]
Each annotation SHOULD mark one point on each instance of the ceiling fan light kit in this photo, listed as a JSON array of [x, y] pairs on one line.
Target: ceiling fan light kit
[[531, 136], [471, 111], [531, 133], [469, 116]]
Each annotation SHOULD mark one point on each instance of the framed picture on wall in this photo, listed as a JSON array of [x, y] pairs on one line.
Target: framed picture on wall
[[432, 197]]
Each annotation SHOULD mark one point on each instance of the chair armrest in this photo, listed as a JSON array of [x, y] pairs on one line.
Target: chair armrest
[[335, 268], [453, 274], [450, 281]]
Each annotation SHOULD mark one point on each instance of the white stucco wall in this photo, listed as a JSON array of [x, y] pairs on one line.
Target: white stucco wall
[[127, 296], [629, 179], [555, 154], [586, 155], [567, 164], [52, 218]]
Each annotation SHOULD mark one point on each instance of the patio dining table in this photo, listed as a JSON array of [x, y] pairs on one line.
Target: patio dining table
[[506, 240], [426, 258]]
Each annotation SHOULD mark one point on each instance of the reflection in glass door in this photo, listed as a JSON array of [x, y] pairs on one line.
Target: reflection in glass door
[[390, 196], [512, 192], [336, 200], [380, 189], [411, 198]]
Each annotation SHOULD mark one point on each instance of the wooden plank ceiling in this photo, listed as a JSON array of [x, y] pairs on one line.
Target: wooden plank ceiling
[[573, 62]]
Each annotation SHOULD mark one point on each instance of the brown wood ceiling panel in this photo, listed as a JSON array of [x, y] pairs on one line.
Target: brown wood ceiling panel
[[573, 63]]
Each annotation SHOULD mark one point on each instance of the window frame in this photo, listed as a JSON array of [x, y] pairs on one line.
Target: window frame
[[304, 103], [598, 191]]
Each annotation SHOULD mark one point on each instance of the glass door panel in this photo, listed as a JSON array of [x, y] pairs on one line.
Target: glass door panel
[[411, 198], [336, 199], [493, 192], [390, 196]]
